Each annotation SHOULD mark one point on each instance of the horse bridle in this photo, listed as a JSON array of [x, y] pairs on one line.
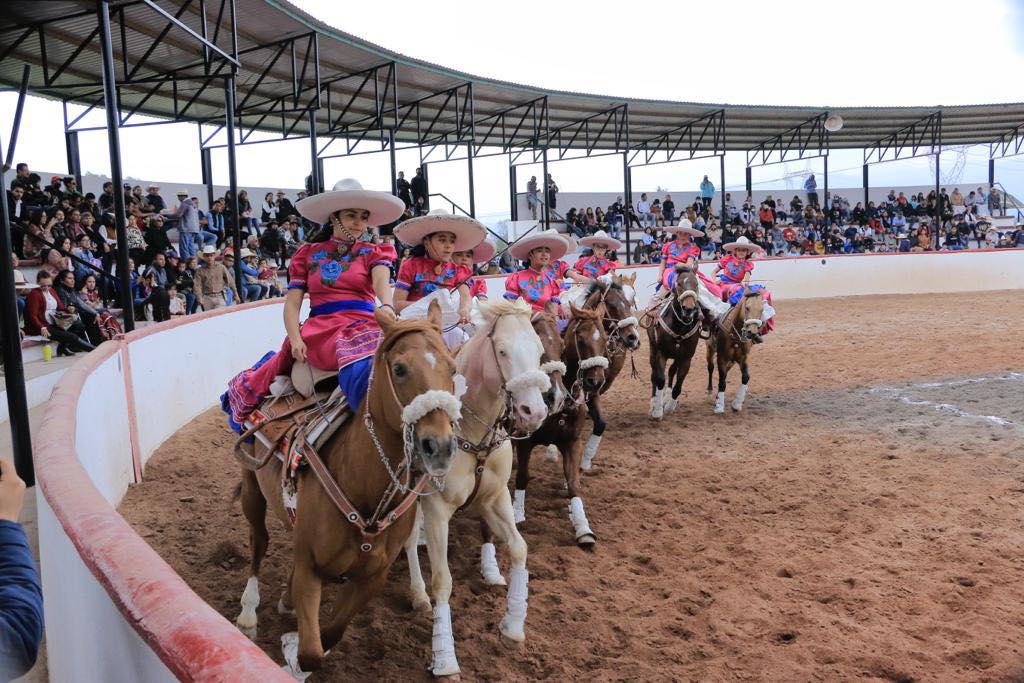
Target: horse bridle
[[585, 363], [615, 345], [677, 300], [742, 336]]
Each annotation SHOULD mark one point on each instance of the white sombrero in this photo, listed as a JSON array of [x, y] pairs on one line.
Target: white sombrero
[[684, 226], [601, 238], [245, 253], [545, 238], [742, 243], [484, 252], [21, 283], [468, 231], [349, 194]]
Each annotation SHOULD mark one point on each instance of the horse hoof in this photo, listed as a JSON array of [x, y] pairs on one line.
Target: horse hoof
[[587, 541], [281, 609], [736, 408], [719, 409], [421, 603], [510, 642], [448, 677], [551, 455], [249, 633]]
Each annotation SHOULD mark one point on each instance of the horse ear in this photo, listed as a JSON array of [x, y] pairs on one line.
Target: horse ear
[[551, 308], [632, 279], [385, 316], [575, 310], [434, 315]]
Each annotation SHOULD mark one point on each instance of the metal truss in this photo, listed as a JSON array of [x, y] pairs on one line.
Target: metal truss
[[450, 126], [703, 137], [355, 125], [920, 138], [804, 141], [514, 129], [1010, 143], [591, 130]]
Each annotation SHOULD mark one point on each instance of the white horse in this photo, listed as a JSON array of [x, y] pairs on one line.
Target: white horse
[[501, 364]]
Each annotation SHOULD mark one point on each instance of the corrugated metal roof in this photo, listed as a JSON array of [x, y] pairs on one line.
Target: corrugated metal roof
[[264, 22]]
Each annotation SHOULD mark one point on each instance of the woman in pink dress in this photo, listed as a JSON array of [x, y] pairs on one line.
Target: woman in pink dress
[[480, 254], [343, 276], [733, 272], [598, 264], [535, 283], [679, 251]]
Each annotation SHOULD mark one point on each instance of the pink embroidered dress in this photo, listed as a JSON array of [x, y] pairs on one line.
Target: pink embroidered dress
[[536, 287], [340, 332], [594, 267], [675, 252], [559, 271], [419, 277], [731, 278]]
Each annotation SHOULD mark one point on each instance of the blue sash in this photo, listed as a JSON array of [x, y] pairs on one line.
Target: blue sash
[[343, 305]]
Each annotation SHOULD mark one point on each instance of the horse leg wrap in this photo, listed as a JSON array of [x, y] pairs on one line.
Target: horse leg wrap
[[593, 443], [290, 650], [720, 402], [519, 505], [246, 621], [658, 404], [421, 533], [552, 453], [443, 643], [741, 394], [515, 616], [670, 405], [489, 566], [578, 517]]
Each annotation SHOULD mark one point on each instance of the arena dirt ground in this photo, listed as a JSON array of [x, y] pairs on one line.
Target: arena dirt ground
[[848, 524]]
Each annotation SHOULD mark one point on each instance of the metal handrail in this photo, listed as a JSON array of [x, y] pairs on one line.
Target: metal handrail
[[450, 201], [1005, 204]]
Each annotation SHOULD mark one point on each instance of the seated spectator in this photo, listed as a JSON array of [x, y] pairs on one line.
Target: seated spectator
[[269, 281], [175, 303], [252, 290], [272, 243], [47, 316], [155, 282], [59, 259], [90, 299], [183, 279]]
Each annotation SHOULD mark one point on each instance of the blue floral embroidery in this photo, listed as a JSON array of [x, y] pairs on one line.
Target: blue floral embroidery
[[319, 255], [330, 270]]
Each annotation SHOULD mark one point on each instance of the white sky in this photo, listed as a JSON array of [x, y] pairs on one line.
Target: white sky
[[868, 52]]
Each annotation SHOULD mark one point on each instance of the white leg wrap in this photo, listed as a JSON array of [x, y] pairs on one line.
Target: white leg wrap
[[658, 404], [741, 394], [519, 505], [290, 650], [552, 453], [421, 533], [246, 620], [445, 663], [282, 608], [489, 566], [512, 626], [720, 402], [670, 405], [711, 302], [593, 443], [578, 517]]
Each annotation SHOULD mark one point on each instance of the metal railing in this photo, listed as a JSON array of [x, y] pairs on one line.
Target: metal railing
[[1007, 199]]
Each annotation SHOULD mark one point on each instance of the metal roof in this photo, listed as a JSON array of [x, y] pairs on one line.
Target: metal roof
[[65, 24]]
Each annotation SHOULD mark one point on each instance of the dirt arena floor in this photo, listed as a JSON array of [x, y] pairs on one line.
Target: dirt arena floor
[[860, 519]]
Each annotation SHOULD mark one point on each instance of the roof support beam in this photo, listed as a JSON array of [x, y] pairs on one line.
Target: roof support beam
[[1010, 143], [806, 140], [699, 138], [920, 138]]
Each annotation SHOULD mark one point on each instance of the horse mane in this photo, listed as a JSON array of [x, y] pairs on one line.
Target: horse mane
[[492, 308], [601, 285], [683, 268]]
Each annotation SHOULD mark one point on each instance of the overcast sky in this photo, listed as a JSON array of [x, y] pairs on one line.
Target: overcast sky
[[868, 52]]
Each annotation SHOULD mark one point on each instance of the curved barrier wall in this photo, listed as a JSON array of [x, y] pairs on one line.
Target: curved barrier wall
[[116, 611]]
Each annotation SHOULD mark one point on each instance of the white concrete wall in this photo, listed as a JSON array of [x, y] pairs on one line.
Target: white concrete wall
[[809, 277]]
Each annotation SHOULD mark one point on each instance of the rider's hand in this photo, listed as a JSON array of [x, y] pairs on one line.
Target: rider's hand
[[298, 349], [12, 491], [463, 315]]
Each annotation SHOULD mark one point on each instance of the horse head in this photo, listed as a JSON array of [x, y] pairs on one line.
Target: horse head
[[684, 294], [751, 308], [412, 388], [515, 357], [619, 299], [585, 345], [546, 326]]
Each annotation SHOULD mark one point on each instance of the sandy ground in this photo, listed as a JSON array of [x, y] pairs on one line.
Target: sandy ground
[[831, 531]]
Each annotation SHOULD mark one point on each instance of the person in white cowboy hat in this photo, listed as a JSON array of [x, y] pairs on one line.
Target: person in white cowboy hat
[[598, 264], [535, 283], [680, 250], [733, 272], [343, 277], [480, 254], [250, 274], [564, 274], [435, 238]]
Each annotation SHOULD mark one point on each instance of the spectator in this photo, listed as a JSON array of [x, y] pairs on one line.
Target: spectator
[[811, 188], [643, 211], [155, 202], [91, 302], [268, 211], [552, 192], [250, 275], [420, 208], [615, 217], [47, 316], [215, 223], [212, 280], [268, 280], [272, 243], [187, 217], [707, 193], [420, 191], [175, 303], [60, 258], [183, 278], [404, 189], [156, 281], [285, 209], [246, 220], [532, 198], [668, 210], [656, 213]]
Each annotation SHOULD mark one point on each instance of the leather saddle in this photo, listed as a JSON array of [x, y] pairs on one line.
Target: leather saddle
[[308, 380]]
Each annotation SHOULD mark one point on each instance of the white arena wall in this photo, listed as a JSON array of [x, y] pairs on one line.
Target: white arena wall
[[116, 611]]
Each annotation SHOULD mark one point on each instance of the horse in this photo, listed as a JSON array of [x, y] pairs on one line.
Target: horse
[[729, 342], [349, 520], [618, 296], [502, 366], [585, 342], [673, 335]]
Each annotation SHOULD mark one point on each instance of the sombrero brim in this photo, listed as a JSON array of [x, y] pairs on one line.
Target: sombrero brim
[[610, 243], [468, 232], [752, 246], [521, 249], [484, 252], [383, 207], [689, 231]]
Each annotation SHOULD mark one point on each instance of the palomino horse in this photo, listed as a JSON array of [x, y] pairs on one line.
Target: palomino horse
[[673, 334], [618, 296], [586, 366], [502, 366], [729, 342], [406, 421]]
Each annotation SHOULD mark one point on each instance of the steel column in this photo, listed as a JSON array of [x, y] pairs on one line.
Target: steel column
[[394, 161], [426, 182], [825, 198], [472, 189], [938, 198], [513, 196], [866, 185], [233, 222], [124, 280], [721, 177], [546, 210], [628, 208], [74, 159], [206, 166], [316, 184], [10, 345], [750, 181], [626, 172], [991, 173]]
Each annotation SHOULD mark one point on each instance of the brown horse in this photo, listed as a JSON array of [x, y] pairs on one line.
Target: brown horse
[[585, 341], [673, 332], [729, 342], [617, 295], [405, 422]]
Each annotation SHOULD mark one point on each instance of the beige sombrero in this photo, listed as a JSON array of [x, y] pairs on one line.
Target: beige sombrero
[[684, 226], [484, 252], [545, 238], [601, 238], [742, 243], [349, 194], [468, 231], [21, 283]]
